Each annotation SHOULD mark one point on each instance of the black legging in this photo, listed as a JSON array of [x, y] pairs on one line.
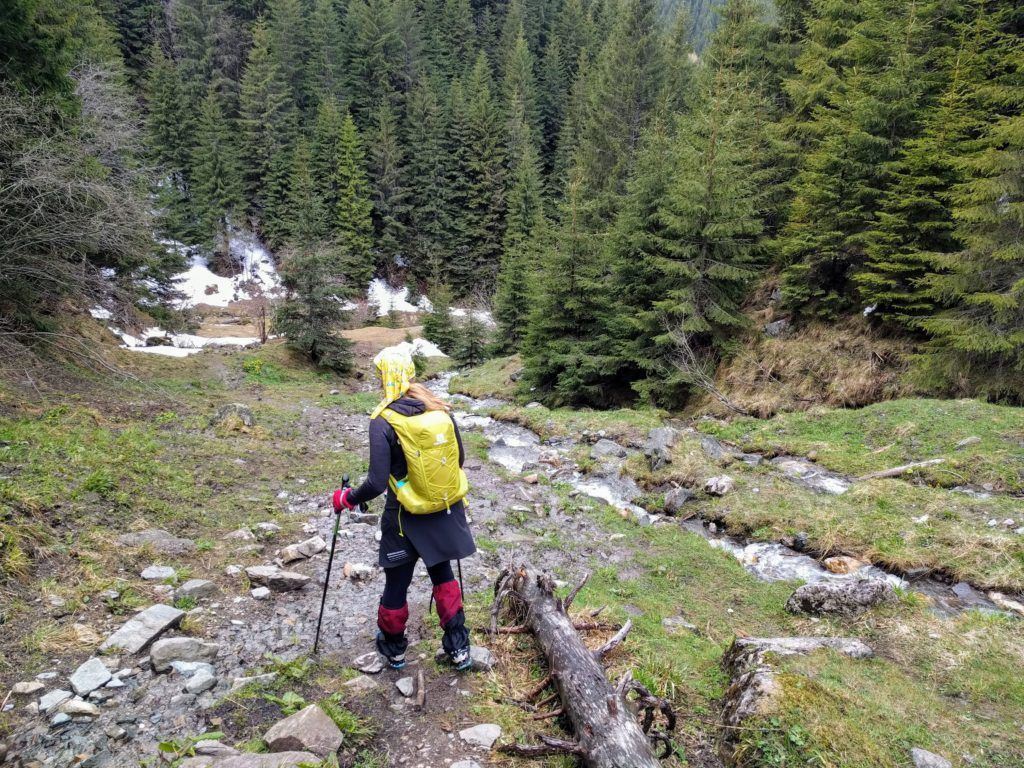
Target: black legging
[[398, 579]]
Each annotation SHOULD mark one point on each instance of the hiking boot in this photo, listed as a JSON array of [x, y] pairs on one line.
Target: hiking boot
[[456, 641], [392, 648]]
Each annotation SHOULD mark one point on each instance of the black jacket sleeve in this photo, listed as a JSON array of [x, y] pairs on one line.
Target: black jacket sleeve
[[380, 463], [458, 438]]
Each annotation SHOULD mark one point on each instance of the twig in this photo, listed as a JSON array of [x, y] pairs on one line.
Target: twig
[[540, 687], [585, 626], [549, 747], [597, 612], [575, 591], [421, 690], [547, 701], [549, 715], [897, 471], [499, 598], [614, 642]]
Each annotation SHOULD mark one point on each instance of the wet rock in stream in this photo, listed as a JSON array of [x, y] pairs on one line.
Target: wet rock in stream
[[849, 598]]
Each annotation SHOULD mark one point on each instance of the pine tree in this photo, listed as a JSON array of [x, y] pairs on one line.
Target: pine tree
[[390, 192], [428, 190], [372, 53], [309, 216], [438, 326], [453, 42], [267, 120], [485, 169], [354, 225], [290, 40], [317, 289], [218, 185], [326, 72], [554, 91], [519, 86], [457, 265], [472, 339], [325, 150]]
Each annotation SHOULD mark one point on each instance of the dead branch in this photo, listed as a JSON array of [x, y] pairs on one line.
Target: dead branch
[[549, 747], [897, 471], [567, 602], [614, 642]]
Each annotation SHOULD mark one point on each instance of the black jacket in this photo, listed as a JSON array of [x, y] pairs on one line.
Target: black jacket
[[437, 537]]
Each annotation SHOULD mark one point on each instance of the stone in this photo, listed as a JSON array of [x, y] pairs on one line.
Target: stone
[[160, 540], [233, 414], [309, 730], [303, 550], [848, 598], [196, 588], [715, 450], [482, 658], [242, 534], [53, 699], [968, 441], [371, 663], [267, 530], [465, 764], [1006, 603], [241, 682], [189, 668], [531, 479], [777, 328], [27, 689], [251, 760], [260, 593], [842, 564], [676, 499], [143, 628], [658, 448], [361, 684], [60, 718], [199, 682], [719, 485], [483, 735], [607, 449], [173, 649], [79, 708], [924, 759], [674, 624], [793, 646], [406, 686], [89, 676], [273, 577], [158, 573], [358, 571], [211, 748]]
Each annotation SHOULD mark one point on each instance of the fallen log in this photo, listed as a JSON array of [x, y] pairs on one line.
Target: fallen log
[[897, 471], [607, 733]]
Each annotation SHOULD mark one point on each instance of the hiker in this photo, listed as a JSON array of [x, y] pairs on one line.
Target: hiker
[[416, 455]]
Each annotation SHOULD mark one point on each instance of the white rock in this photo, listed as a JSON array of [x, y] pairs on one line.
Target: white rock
[[189, 668], [199, 682], [89, 676], [53, 699], [371, 663], [79, 708], [361, 684], [309, 729], [267, 530], [406, 686], [158, 573], [233, 570], [27, 689], [719, 485], [143, 628], [924, 759], [465, 764], [173, 649], [260, 593], [483, 735], [242, 534], [482, 658], [303, 550]]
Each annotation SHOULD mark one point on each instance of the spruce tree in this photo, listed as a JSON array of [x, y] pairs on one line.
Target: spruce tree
[[372, 54], [389, 189], [519, 86], [291, 42], [326, 72], [472, 339], [353, 222], [457, 266], [218, 183], [428, 189], [438, 326], [309, 216], [325, 150], [554, 91]]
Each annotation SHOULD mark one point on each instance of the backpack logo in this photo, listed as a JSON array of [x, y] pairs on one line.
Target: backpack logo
[[440, 439]]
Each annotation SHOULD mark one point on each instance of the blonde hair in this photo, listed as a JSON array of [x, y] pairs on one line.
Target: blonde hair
[[433, 402]]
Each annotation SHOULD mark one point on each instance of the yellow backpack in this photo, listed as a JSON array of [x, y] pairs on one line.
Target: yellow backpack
[[435, 480]]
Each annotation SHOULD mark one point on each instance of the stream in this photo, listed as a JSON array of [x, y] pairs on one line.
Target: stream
[[520, 450]]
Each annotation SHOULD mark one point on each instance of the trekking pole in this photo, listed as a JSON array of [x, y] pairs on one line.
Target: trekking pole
[[330, 560]]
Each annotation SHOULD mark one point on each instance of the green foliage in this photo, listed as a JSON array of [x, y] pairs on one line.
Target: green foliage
[[472, 339], [353, 225], [217, 173], [438, 325]]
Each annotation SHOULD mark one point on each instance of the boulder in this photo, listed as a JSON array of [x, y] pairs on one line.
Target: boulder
[[233, 414], [924, 759], [406, 686], [483, 735], [309, 730], [89, 676], [173, 649], [482, 659], [196, 588], [53, 699], [27, 689], [607, 449], [676, 499], [777, 328], [273, 577], [242, 534], [842, 564], [158, 573], [719, 485], [847, 598], [160, 541], [658, 448], [303, 550], [143, 628], [251, 760]]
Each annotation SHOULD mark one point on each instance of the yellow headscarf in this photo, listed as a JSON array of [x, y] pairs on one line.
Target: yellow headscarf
[[396, 374]]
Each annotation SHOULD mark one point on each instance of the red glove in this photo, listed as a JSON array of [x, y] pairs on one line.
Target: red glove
[[341, 499]]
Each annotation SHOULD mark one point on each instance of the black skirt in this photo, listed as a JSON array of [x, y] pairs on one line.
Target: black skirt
[[435, 538]]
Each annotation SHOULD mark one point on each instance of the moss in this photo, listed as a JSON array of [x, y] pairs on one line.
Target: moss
[[490, 379]]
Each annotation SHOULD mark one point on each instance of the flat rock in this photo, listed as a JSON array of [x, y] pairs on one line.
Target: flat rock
[[309, 729], [242, 534], [240, 682], [607, 449], [466, 764], [371, 663], [196, 588], [676, 499], [924, 759], [89, 676], [719, 485], [1007, 603], [406, 686], [79, 708], [260, 593], [482, 658], [842, 564], [249, 760], [143, 628], [200, 681], [677, 623], [273, 577], [848, 598], [27, 689], [361, 684], [158, 573], [161, 541], [303, 550], [189, 668], [267, 530], [791, 646], [172, 649], [483, 735], [53, 699], [211, 748]]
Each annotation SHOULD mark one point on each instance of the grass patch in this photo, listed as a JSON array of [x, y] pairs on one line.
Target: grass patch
[[884, 435], [490, 379], [624, 425]]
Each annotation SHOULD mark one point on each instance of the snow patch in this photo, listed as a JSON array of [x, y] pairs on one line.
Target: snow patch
[[182, 344], [420, 347], [100, 313], [201, 286], [387, 299], [481, 315], [870, 310]]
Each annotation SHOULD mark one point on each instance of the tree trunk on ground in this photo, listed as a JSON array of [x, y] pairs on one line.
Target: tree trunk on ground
[[607, 732]]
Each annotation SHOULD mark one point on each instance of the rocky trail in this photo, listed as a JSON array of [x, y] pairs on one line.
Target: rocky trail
[[156, 683]]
